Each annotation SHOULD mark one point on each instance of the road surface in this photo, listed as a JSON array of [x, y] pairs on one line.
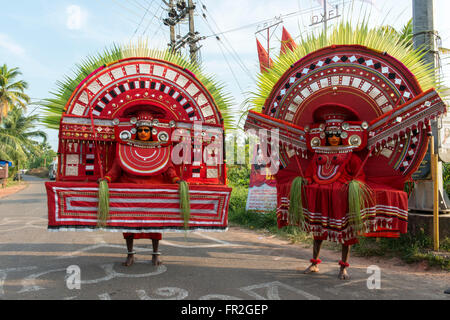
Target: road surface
[[237, 264]]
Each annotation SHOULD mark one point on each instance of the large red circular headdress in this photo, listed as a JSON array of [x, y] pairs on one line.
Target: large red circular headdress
[[351, 77]]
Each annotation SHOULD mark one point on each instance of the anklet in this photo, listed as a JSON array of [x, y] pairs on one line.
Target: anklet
[[343, 264], [315, 261], [156, 253], [132, 252]]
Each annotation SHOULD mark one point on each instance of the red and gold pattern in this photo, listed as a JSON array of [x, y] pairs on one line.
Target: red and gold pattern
[[136, 208], [97, 139]]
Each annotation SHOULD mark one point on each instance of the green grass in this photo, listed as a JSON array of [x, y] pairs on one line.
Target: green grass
[[11, 183], [260, 221], [409, 248]]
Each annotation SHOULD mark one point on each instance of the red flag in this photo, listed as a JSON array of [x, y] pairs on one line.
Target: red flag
[[264, 60], [287, 42]]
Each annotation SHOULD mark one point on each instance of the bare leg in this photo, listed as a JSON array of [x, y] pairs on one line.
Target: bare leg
[[343, 275], [155, 256], [130, 255], [316, 251]]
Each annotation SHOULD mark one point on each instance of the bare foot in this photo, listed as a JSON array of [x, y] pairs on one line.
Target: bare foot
[[312, 269], [343, 274], [130, 260], [155, 260]]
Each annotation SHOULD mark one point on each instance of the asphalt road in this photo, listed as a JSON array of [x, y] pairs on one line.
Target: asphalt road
[[237, 264]]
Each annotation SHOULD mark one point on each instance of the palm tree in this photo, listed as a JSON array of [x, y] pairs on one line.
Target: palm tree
[[17, 134], [11, 90]]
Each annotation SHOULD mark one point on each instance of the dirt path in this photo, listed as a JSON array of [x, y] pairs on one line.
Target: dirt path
[[4, 192]]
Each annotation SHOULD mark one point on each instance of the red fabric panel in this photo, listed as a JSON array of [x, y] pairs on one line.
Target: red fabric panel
[[150, 235], [137, 208], [326, 212]]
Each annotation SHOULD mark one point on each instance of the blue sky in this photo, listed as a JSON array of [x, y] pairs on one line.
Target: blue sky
[[46, 38]]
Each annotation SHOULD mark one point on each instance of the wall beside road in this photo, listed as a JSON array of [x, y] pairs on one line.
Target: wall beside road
[[418, 222]]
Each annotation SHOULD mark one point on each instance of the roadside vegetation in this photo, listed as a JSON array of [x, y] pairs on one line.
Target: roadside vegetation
[[21, 142]]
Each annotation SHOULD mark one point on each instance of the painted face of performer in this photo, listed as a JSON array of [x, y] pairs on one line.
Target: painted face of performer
[[334, 140], [144, 133]]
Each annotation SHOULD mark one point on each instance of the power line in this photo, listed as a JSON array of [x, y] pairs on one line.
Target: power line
[[280, 17], [140, 23], [233, 52], [127, 18], [224, 56], [128, 9], [220, 44], [151, 20]]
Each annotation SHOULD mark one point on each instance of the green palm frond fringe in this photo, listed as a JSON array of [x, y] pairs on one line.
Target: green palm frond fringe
[[380, 39], [185, 206], [360, 198], [103, 204], [296, 215], [54, 106]]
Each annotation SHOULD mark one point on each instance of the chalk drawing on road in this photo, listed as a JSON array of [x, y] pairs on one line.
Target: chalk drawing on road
[[104, 296], [218, 243], [78, 253], [272, 291], [4, 274], [169, 293], [37, 223], [139, 249], [218, 297], [111, 273], [29, 283]]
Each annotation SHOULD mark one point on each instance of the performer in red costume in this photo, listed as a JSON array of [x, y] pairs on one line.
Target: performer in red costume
[[327, 175], [117, 174]]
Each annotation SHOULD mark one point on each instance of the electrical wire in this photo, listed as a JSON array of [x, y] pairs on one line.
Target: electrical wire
[[140, 23], [232, 52], [280, 17]]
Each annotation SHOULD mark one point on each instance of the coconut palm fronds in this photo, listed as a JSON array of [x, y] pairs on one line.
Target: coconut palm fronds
[[360, 198], [185, 206], [12, 91], [382, 39], [54, 107], [103, 204], [296, 215]]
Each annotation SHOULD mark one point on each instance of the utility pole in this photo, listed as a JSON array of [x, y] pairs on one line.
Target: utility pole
[[178, 13], [172, 27], [424, 35], [428, 195], [192, 36]]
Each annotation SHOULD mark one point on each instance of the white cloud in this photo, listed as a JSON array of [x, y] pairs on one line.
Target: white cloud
[[75, 17], [7, 43]]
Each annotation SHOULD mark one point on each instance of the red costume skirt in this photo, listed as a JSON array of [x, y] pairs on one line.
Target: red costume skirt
[[325, 210], [153, 236]]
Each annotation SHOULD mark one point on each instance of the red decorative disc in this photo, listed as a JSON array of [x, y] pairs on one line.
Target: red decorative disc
[[143, 161]]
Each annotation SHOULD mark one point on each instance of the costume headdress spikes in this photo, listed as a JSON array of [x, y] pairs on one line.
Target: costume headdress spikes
[[334, 116], [144, 118]]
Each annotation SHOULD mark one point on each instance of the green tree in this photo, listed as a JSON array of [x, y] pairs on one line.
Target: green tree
[[17, 137], [45, 157], [11, 90]]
